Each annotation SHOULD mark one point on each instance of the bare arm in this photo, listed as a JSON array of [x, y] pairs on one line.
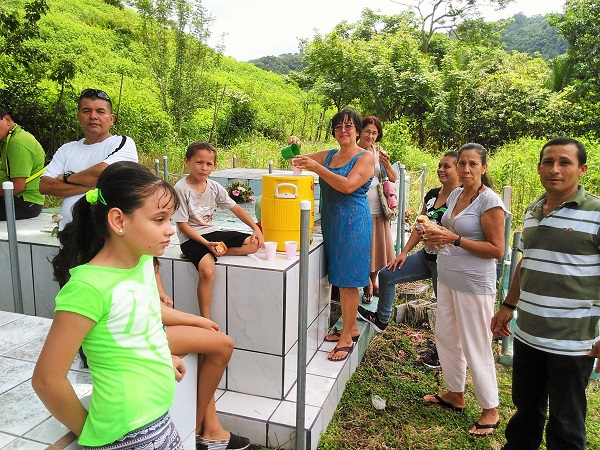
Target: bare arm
[[50, 375], [185, 228], [492, 222], [164, 297], [384, 159], [171, 317], [79, 182], [247, 219], [501, 320], [359, 175], [412, 242], [18, 186]]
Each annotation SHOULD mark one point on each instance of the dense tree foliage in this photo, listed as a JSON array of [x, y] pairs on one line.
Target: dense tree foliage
[[533, 35], [443, 16], [467, 87], [581, 28], [282, 64]]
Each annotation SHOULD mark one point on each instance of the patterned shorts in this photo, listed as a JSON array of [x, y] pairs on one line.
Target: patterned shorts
[[158, 435]]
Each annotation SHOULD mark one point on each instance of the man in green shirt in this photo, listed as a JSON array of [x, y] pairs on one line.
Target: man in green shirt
[[22, 161]]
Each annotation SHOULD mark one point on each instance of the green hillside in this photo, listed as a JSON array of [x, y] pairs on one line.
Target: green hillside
[[533, 35], [102, 47]]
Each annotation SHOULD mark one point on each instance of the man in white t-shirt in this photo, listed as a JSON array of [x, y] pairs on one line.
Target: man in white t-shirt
[[76, 165]]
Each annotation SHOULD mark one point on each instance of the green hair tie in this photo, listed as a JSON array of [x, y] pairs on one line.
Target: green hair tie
[[93, 195]]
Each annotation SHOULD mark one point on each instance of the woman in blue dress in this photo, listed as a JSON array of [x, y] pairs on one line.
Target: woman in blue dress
[[344, 176]]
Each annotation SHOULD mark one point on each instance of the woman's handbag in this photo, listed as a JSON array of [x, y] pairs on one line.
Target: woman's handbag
[[387, 195]]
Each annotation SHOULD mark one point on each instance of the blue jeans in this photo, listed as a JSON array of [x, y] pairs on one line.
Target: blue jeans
[[416, 267], [542, 379]]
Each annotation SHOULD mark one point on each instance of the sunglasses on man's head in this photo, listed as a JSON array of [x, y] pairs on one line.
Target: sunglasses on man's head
[[95, 93]]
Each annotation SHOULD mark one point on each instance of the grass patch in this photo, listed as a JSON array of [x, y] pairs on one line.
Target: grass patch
[[390, 369]]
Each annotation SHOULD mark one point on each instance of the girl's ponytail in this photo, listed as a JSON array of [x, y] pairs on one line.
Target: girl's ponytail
[[80, 241], [124, 185]]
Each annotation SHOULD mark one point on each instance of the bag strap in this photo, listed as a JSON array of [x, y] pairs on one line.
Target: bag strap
[[35, 175], [123, 140], [382, 172]]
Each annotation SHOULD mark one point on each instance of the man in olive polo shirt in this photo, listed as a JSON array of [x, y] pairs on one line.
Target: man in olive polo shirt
[[22, 160]]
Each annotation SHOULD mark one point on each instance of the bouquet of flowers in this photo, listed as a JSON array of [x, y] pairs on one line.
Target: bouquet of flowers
[[240, 192]]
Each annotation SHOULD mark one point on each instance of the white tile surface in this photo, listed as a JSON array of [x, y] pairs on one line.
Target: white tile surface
[[292, 294], [45, 288], [6, 317], [22, 331], [255, 309], [14, 372], [5, 439], [6, 294], [256, 374], [185, 296], [282, 429], [49, 431], [317, 390], [250, 406], [166, 275], [183, 412], [21, 410], [24, 444]]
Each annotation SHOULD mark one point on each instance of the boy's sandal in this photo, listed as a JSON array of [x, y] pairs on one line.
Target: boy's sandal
[[367, 298]]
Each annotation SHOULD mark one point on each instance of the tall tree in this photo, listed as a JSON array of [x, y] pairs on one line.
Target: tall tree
[[434, 16], [175, 34], [581, 28]]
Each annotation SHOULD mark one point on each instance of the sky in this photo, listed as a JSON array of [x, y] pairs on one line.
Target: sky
[[256, 28]]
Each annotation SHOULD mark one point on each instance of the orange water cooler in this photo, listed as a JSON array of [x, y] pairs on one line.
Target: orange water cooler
[[280, 208]]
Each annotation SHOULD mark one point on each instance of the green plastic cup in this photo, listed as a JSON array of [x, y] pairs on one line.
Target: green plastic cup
[[290, 151]]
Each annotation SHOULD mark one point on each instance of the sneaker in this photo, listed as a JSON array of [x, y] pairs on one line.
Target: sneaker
[[371, 317], [430, 359], [235, 442]]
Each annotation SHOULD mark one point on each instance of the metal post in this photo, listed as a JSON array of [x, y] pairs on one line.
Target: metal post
[[234, 161], [507, 200], [157, 167], [165, 169], [507, 354], [270, 166], [302, 323], [401, 226], [11, 227], [423, 180]]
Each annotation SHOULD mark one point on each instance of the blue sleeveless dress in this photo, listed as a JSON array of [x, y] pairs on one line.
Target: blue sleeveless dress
[[346, 226]]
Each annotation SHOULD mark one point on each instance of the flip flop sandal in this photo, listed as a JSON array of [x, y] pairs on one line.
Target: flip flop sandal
[[444, 404], [367, 299], [486, 426], [348, 350], [337, 334]]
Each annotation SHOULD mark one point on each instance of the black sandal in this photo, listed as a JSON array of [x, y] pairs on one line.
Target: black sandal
[[367, 298]]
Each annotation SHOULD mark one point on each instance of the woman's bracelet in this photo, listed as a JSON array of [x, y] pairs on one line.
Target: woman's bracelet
[[509, 306]]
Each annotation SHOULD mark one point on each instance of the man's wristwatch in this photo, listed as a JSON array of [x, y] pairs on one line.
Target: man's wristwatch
[[457, 241], [66, 176]]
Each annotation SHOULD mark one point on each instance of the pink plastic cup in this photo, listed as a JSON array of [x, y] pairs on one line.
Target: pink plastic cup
[[270, 249], [290, 249], [296, 170]]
